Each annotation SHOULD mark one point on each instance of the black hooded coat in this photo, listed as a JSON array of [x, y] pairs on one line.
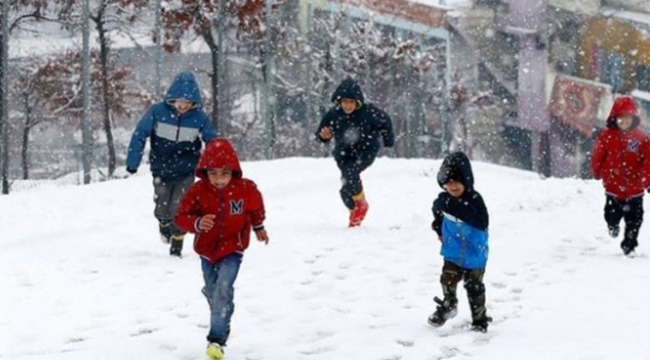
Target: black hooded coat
[[357, 135]]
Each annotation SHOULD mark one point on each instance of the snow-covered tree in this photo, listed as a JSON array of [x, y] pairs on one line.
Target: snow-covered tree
[[14, 14], [241, 19], [108, 16], [401, 72], [55, 92]]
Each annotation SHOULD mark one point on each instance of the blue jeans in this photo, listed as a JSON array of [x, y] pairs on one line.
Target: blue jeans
[[219, 280]]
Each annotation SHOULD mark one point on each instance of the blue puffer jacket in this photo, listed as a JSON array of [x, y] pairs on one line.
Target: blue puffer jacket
[[175, 139], [461, 222]]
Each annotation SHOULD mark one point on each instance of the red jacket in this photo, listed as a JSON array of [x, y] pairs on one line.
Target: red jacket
[[238, 206], [622, 161]]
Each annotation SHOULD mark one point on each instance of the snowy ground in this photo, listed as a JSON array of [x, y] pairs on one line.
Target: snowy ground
[[84, 275]]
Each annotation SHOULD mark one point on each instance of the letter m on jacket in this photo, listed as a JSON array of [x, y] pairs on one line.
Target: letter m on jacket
[[236, 207]]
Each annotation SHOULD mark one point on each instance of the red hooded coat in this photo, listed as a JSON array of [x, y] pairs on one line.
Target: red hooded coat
[[622, 159], [238, 206]]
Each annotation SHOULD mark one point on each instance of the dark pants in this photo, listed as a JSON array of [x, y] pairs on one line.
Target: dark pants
[[167, 196], [631, 211], [452, 274], [351, 177]]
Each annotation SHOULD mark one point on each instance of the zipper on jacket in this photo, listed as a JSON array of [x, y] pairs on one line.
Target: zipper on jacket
[[463, 241], [178, 126], [220, 220]]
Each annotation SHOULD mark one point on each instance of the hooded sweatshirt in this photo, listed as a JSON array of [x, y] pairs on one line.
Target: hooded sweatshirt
[[238, 206], [622, 158], [461, 222], [175, 138], [356, 135]]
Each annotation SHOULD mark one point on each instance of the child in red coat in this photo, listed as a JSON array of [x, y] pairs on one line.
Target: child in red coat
[[221, 208], [621, 158]]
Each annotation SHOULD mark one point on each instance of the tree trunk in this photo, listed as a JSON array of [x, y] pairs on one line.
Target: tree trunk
[[106, 111], [24, 154], [214, 76], [4, 113]]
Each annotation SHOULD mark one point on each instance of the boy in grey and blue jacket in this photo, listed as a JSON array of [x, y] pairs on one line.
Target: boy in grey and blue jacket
[[176, 128], [461, 222]]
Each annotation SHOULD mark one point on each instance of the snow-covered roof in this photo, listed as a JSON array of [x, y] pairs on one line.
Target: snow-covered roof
[[587, 7], [415, 17], [58, 42], [447, 4], [640, 18], [640, 94]]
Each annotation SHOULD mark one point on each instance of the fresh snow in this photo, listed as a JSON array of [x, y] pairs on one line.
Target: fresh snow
[[84, 275]]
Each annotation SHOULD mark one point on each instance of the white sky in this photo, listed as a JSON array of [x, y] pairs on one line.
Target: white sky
[[84, 275]]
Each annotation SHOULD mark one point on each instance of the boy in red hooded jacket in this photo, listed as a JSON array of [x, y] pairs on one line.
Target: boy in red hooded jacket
[[221, 208], [621, 158]]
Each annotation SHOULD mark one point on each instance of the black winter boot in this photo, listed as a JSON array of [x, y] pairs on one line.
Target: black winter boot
[[481, 325], [165, 229], [176, 245], [613, 230], [444, 311]]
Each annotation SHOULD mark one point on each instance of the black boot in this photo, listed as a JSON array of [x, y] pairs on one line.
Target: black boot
[[628, 245], [165, 229], [444, 311], [481, 325], [176, 245]]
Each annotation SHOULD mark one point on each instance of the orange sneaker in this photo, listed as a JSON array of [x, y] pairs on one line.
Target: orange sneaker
[[360, 210]]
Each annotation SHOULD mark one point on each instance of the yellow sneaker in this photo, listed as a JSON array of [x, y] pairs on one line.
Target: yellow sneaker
[[214, 351]]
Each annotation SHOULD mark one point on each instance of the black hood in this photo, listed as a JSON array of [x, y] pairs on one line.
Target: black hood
[[456, 166], [348, 89]]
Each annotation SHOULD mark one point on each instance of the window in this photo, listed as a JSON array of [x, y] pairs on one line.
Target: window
[[643, 77], [643, 84], [611, 71]]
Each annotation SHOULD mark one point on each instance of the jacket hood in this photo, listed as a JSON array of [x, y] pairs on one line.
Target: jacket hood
[[456, 166], [348, 89], [218, 154], [623, 105], [186, 87]]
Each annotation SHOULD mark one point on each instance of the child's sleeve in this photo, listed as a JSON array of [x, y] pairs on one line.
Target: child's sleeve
[[482, 218], [256, 211], [139, 138], [207, 130], [645, 155], [326, 121], [189, 214], [437, 216], [385, 125]]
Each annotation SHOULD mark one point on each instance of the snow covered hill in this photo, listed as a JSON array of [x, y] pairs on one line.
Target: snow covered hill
[[84, 275]]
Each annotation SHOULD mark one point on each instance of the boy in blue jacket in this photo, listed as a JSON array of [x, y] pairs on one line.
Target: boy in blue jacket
[[177, 128], [461, 222]]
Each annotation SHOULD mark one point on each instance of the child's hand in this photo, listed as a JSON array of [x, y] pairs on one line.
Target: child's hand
[[262, 236], [325, 133], [207, 222]]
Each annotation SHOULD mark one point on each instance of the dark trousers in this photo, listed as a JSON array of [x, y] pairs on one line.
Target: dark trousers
[[351, 177], [631, 211], [452, 274], [168, 196]]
